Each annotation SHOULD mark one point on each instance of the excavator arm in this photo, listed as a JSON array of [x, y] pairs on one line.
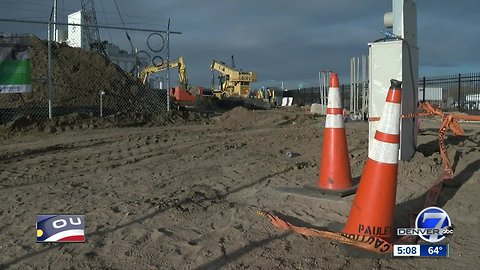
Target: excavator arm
[[182, 71], [222, 67]]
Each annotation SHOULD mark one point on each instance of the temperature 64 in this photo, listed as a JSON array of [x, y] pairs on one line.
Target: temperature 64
[[434, 250]]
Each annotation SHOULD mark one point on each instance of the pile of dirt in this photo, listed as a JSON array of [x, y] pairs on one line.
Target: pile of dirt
[[228, 103], [249, 103], [79, 76], [79, 121], [241, 117], [157, 198]]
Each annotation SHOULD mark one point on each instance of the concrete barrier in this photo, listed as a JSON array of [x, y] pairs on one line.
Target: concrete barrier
[[317, 108]]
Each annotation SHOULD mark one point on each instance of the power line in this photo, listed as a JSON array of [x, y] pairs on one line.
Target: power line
[[20, 9], [105, 17], [121, 19], [34, 3], [162, 22]]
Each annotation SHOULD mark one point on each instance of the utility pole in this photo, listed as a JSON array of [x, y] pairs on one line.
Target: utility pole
[[55, 30], [319, 86], [233, 62], [168, 66]]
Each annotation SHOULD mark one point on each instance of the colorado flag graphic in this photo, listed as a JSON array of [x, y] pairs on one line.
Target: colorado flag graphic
[[60, 228]]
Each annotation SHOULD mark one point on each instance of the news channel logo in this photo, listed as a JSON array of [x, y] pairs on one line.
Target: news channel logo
[[60, 228], [432, 225]]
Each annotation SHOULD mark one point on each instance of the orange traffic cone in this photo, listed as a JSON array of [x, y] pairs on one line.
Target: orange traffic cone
[[335, 177], [335, 173], [372, 212]]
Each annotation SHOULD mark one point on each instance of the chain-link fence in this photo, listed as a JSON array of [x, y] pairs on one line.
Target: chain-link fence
[[453, 92], [86, 69]]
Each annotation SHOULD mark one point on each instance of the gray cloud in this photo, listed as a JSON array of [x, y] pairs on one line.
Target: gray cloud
[[283, 40]]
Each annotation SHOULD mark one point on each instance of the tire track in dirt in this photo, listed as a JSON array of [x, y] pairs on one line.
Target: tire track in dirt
[[127, 156]]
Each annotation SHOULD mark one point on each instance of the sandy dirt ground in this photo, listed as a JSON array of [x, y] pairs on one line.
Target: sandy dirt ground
[[185, 196]]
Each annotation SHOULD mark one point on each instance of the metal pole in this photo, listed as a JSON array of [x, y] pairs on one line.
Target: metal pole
[[319, 88], [99, 25], [304, 96], [324, 95], [354, 84], [168, 66], [364, 90], [354, 95], [49, 56], [352, 73], [312, 100], [459, 85], [101, 103], [357, 90], [55, 7], [423, 98]]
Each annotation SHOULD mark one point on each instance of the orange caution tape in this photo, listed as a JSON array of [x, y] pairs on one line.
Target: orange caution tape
[[370, 243], [449, 122]]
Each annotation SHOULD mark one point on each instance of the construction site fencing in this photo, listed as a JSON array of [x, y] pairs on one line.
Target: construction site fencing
[[454, 92], [310, 95], [459, 92], [77, 68]]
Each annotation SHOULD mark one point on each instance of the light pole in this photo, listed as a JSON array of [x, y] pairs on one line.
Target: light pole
[[319, 86], [324, 88]]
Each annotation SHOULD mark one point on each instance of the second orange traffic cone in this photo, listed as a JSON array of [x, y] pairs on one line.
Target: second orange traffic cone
[[372, 212], [335, 176]]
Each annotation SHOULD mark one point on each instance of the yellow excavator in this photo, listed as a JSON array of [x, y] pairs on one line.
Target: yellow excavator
[[182, 71], [233, 82], [180, 93]]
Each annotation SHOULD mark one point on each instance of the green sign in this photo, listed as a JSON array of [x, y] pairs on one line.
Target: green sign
[[15, 66]]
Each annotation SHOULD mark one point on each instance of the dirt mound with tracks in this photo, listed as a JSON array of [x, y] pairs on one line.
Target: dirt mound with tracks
[[184, 195], [79, 76]]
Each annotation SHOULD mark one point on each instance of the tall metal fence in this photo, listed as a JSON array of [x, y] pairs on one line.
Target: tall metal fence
[[72, 72], [308, 96], [453, 92], [460, 92]]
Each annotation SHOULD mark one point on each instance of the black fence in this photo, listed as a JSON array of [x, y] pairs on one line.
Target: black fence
[[453, 92], [460, 92]]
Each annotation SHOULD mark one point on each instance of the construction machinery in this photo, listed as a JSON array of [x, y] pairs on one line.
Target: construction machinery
[[179, 63], [93, 34], [233, 82], [180, 93]]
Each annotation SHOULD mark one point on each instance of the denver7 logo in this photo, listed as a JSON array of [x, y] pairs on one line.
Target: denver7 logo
[[437, 219]]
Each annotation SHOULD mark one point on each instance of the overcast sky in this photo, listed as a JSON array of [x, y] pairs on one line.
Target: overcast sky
[[289, 41]]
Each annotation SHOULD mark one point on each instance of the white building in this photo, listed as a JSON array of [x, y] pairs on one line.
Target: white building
[[77, 35], [431, 93]]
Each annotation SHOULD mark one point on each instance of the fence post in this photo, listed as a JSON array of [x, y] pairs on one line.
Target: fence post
[[459, 85], [304, 96], [312, 100], [101, 102], [168, 66], [423, 98], [49, 59]]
